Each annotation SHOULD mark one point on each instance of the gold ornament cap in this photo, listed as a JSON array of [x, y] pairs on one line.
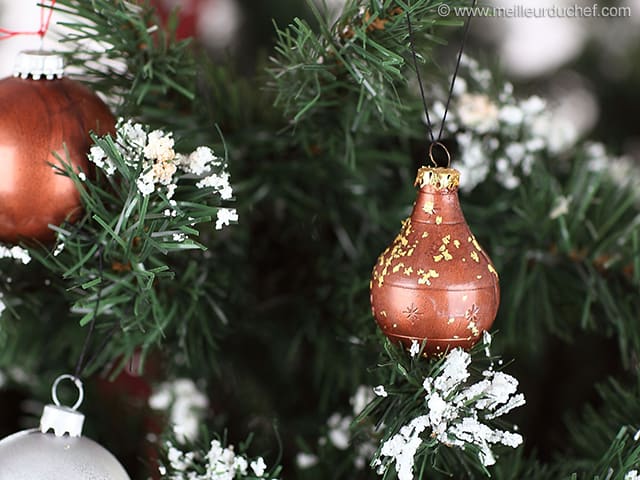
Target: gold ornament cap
[[438, 178]]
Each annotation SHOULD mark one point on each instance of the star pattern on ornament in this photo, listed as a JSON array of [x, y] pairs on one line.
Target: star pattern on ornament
[[472, 313], [412, 312]]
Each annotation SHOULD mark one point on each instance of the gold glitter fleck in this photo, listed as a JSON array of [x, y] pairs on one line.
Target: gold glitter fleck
[[476, 244], [425, 234], [428, 208], [478, 277], [437, 258], [408, 271], [451, 320], [456, 243], [425, 277], [446, 239], [399, 249], [383, 313], [475, 257], [474, 328], [492, 270], [438, 220]]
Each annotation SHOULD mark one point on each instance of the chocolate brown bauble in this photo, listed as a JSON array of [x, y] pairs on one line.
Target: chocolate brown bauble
[[37, 119], [435, 282]]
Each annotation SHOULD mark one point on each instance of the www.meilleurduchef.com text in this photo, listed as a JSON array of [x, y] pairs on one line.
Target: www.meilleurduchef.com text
[[522, 11]]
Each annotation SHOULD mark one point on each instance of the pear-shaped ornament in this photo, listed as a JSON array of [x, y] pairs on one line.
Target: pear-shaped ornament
[[57, 450], [435, 283]]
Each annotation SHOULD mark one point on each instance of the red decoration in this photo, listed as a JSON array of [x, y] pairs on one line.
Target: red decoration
[[46, 12], [187, 11], [38, 117], [127, 395], [435, 282]]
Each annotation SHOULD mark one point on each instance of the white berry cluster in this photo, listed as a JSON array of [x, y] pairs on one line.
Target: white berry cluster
[[340, 436], [502, 136], [16, 253], [455, 410], [185, 405], [161, 168], [219, 463]]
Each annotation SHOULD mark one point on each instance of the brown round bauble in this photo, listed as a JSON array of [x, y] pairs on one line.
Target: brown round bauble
[[38, 119], [435, 282]]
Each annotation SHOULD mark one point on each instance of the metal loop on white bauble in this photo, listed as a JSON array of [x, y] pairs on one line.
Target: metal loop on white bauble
[[76, 381]]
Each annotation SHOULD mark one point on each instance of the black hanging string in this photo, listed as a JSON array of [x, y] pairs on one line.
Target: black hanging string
[[436, 141], [80, 365], [415, 62]]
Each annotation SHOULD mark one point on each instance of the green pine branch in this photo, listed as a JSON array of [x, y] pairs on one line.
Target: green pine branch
[[124, 51], [582, 261], [352, 74]]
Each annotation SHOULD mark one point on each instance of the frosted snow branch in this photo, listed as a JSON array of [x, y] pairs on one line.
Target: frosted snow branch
[[218, 463], [159, 168], [456, 411]]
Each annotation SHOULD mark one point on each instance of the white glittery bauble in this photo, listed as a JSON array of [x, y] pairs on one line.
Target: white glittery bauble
[[32, 455]]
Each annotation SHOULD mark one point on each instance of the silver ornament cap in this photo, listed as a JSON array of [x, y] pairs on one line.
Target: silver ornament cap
[[63, 420], [57, 451], [37, 64]]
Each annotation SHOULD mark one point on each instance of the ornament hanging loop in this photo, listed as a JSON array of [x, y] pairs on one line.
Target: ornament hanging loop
[[439, 144], [76, 381]]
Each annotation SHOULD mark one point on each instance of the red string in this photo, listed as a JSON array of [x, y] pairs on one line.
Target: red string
[[46, 13]]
